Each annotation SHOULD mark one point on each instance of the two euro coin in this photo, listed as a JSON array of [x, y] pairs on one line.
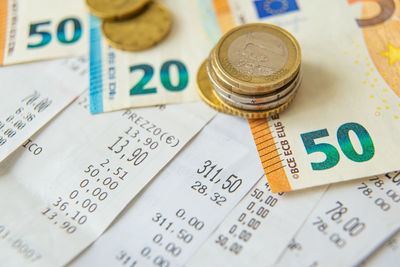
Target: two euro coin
[[254, 71]]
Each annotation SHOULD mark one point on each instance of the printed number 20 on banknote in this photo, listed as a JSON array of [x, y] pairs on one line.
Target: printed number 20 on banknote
[[41, 29], [163, 74]]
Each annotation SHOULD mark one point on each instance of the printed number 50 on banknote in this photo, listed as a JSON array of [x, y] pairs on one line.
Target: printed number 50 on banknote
[[160, 75], [345, 121], [33, 30]]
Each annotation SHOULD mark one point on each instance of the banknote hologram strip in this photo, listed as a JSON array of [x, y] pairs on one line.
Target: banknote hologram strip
[[96, 67]]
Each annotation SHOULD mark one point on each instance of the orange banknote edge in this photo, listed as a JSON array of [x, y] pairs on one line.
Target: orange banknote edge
[[379, 27]]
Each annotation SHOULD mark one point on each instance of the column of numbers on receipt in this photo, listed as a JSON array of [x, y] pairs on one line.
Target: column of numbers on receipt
[[261, 203], [353, 219], [91, 166], [340, 224], [208, 174], [32, 104], [129, 150], [175, 233], [178, 231], [30, 107], [185, 203]]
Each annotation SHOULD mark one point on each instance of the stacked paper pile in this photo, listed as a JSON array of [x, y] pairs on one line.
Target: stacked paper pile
[[159, 179]]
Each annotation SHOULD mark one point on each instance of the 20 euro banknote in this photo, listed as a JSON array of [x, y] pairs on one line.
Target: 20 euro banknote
[[160, 75]]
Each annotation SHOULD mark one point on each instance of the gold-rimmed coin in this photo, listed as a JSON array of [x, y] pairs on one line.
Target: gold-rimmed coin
[[255, 104], [225, 90], [256, 58], [207, 93], [115, 9], [267, 106], [247, 92], [205, 89], [140, 32], [256, 114]]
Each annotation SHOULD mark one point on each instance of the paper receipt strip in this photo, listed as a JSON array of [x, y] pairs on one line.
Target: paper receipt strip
[[35, 93], [90, 168], [185, 203], [352, 219]]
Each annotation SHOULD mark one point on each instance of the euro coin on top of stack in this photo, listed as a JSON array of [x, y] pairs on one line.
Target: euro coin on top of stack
[[254, 71], [132, 25]]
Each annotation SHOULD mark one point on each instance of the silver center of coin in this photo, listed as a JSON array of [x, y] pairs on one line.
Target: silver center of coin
[[258, 54]]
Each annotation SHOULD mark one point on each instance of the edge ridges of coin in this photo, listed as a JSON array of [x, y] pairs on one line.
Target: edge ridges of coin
[[200, 90], [252, 100], [225, 108], [263, 106], [259, 99], [260, 114]]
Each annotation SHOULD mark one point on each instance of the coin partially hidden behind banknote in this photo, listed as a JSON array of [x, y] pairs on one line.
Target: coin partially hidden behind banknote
[[252, 72]]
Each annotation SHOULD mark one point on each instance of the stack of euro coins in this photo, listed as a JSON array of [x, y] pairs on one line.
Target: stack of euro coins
[[132, 25], [254, 71]]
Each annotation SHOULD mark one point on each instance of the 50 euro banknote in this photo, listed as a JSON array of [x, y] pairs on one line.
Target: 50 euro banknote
[[32, 30], [160, 75], [345, 121]]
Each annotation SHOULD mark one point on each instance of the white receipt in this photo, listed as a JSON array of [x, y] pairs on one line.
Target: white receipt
[[33, 94], [259, 229], [387, 255], [54, 204], [185, 203], [352, 220]]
